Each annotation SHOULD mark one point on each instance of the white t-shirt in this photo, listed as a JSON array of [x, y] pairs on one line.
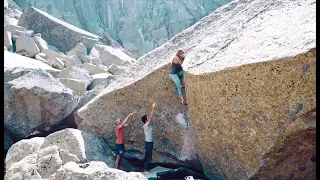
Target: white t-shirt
[[148, 132]]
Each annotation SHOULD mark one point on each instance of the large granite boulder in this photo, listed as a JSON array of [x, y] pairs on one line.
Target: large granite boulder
[[35, 101], [56, 32], [251, 90], [16, 65], [62, 154], [249, 110]]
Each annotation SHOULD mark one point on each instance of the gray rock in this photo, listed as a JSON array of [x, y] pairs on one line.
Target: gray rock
[[86, 146], [58, 33], [94, 69], [109, 55], [76, 73], [47, 158], [54, 58], [36, 101], [7, 39], [22, 149], [15, 30], [48, 161], [88, 96], [72, 61], [16, 66], [10, 20], [102, 80], [94, 60], [116, 70], [80, 51], [27, 44], [79, 87], [41, 43]]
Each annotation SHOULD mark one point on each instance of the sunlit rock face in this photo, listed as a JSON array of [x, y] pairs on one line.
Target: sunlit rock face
[[139, 25]]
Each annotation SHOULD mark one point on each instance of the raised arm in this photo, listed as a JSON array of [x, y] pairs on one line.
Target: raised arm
[[125, 120], [151, 114]]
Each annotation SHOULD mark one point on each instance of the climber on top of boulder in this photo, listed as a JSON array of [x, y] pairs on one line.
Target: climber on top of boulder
[[120, 138], [176, 72]]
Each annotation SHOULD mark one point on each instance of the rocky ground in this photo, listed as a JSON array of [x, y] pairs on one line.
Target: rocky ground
[[250, 85]]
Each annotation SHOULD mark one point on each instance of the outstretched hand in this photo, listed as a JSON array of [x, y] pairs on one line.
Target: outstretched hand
[[154, 105]]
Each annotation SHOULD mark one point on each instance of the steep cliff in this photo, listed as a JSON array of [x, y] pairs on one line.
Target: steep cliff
[[250, 84], [139, 25]]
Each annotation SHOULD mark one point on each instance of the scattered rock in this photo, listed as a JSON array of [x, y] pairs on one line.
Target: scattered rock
[[55, 59], [80, 51], [16, 65], [79, 87], [94, 69], [109, 55], [10, 20], [48, 157], [16, 30], [22, 149], [27, 44], [36, 101], [116, 70], [72, 61], [7, 39], [76, 73], [41, 43]]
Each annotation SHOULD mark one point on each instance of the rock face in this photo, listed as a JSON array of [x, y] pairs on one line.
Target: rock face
[[267, 108], [254, 103], [172, 129], [140, 26], [63, 154], [56, 32], [34, 102]]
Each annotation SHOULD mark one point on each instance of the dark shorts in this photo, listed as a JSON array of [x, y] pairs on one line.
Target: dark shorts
[[119, 149]]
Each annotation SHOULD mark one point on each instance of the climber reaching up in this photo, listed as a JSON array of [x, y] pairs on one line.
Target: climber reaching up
[[148, 144], [176, 72], [120, 138]]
